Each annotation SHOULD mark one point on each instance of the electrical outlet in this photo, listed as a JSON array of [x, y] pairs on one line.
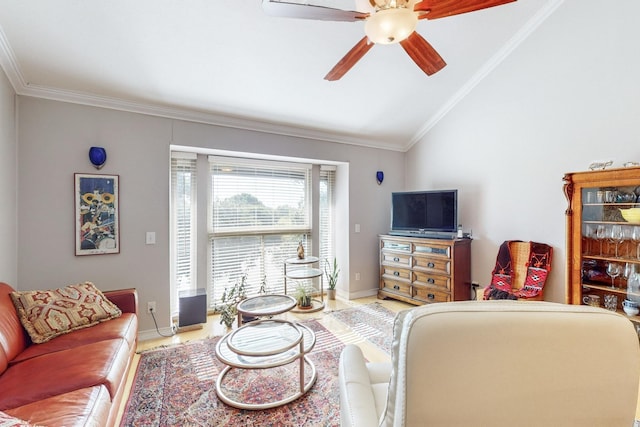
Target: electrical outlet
[[151, 307]]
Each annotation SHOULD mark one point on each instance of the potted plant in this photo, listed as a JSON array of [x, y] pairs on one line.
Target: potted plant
[[303, 296], [331, 272], [229, 302]]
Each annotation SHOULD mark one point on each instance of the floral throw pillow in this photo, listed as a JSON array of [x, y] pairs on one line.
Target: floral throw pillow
[[48, 314]]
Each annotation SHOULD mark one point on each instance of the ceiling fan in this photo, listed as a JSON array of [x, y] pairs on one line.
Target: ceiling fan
[[386, 22]]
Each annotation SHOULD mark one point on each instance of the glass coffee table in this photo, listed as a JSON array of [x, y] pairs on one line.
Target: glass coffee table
[[265, 305], [265, 344]]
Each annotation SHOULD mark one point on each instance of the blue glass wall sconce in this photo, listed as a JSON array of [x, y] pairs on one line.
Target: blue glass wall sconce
[[379, 177], [98, 156]]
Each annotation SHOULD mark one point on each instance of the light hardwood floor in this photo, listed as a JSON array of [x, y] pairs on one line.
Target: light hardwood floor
[[214, 328]]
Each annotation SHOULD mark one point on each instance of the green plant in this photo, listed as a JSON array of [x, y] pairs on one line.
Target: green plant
[[229, 302], [331, 272], [303, 295]]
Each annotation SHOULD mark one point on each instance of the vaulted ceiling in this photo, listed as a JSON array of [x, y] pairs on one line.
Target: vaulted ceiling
[[226, 62]]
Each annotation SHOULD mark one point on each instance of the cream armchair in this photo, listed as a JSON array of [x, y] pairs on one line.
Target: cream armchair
[[497, 363]]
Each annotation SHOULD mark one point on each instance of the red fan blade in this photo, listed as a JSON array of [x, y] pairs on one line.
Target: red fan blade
[[423, 54], [308, 11], [349, 59], [441, 8]]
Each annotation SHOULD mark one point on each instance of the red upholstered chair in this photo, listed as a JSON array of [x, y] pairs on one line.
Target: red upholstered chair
[[520, 273]]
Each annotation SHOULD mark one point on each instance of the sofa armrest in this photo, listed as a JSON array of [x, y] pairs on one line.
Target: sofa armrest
[[357, 400], [125, 299]]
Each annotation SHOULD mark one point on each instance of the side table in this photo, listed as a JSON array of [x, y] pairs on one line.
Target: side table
[[265, 344], [302, 269]]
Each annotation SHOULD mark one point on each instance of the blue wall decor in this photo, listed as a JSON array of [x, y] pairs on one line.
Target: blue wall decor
[[97, 156], [379, 177]]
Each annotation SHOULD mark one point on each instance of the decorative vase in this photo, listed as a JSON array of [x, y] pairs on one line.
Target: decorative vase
[[633, 287], [331, 294]]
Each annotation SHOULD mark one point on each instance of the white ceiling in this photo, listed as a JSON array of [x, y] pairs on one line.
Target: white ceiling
[[226, 62]]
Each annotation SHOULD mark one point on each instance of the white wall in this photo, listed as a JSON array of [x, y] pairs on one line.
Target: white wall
[[54, 139], [569, 95], [8, 183]]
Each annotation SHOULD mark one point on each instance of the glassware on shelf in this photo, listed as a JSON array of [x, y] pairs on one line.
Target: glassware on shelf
[[633, 287], [629, 269], [601, 234], [613, 270], [627, 236], [609, 196], [589, 235], [616, 236], [635, 236], [611, 302]]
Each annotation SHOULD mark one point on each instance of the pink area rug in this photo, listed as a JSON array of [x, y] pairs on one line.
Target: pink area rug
[[175, 386], [372, 322]]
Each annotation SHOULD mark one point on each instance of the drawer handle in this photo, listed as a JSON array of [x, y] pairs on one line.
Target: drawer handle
[[431, 281], [396, 259], [396, 273], [396, 287], [431, 265], [431, 296]]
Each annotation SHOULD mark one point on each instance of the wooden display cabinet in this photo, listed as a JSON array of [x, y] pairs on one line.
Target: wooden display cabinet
[[598, 235]]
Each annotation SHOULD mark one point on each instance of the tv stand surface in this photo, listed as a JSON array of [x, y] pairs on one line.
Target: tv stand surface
[[422, 270], [425, 234]]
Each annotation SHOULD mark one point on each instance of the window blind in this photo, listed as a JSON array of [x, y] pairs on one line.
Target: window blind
[[183, 220], [258, 212], [327, 216]]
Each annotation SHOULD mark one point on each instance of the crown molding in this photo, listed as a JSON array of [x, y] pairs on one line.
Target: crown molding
[[9, 63], [21, 87], [194, 116], [486, 69]]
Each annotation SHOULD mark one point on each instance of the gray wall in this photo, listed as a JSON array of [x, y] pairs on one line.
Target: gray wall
[[8, 183], [569, 95], [54, 139]]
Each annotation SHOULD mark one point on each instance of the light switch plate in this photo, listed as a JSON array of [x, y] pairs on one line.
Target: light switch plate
[[151, 238]]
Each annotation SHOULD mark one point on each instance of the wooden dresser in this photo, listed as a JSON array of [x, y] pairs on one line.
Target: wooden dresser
[[421, 270]]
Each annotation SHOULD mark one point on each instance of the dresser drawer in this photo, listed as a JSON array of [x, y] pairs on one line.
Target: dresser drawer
[[394, 258], [442, 266], [433, 280], [396, 273], [391, 245], [397, 287], [433, 249], [430, 295]]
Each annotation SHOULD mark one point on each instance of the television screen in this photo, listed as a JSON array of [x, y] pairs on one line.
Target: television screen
[[421, 211]]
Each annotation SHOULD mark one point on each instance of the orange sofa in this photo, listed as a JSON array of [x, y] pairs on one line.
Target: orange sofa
[[75, 379]]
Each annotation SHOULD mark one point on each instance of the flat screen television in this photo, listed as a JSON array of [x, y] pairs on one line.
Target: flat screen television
[[424, 212]]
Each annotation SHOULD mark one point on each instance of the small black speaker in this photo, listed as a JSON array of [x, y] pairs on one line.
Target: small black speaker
[[193, 307]]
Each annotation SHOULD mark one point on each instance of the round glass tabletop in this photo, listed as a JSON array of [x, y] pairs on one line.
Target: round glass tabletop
[[305, 260], [266, 305], [265, 337]]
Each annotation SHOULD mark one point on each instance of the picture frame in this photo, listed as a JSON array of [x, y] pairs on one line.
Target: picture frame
[[97, 217]]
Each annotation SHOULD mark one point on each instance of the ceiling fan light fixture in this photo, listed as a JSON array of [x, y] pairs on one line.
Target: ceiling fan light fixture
[[388, 26]]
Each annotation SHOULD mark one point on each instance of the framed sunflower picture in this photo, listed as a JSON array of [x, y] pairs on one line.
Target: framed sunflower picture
[[97, 216]]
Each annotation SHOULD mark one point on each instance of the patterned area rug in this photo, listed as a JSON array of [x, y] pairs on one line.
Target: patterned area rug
[[372, 322], [175, 385]]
